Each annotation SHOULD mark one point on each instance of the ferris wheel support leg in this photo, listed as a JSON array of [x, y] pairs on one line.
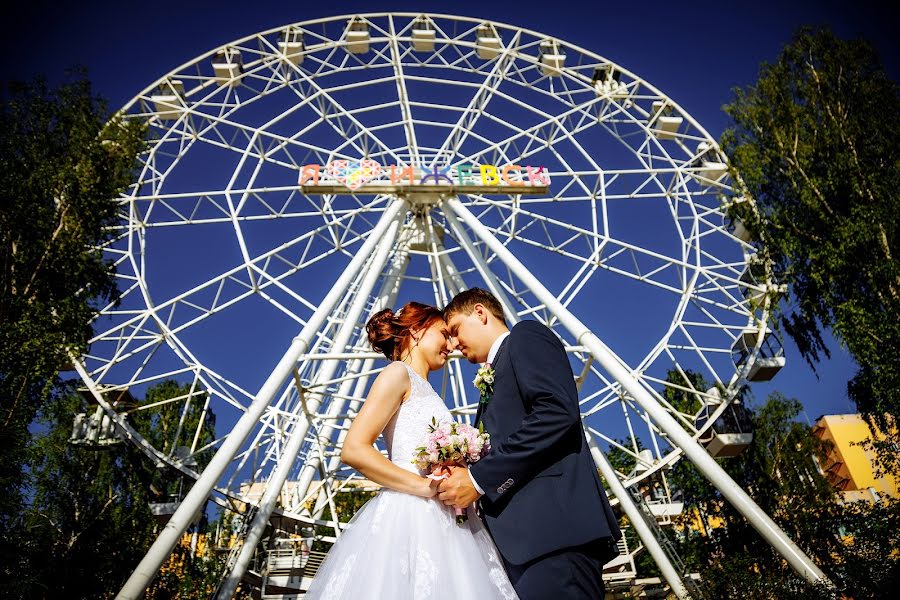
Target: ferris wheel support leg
[[710, 469], [456, 284], [301, 427], [454, 280], [334, 462], [636, 518], [481, 265], [387, 295], [161, 549]]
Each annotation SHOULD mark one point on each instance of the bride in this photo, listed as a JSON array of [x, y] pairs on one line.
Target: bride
[[405, 543]]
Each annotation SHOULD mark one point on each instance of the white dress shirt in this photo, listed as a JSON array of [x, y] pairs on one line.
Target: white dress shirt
[[492, 354], [495, 347]]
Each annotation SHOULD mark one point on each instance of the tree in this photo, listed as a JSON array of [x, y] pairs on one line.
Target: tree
[[62, 164], [171, 427], [682, 391], [856, 545], [346, 504], [814, 142], [88, 521]]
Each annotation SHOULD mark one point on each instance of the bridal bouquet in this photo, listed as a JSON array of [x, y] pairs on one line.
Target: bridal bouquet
[[451, 443]]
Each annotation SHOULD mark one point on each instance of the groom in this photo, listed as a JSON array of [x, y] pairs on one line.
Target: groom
[[540, 496]]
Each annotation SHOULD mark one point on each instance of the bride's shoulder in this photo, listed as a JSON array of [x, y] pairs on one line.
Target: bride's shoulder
[[395, 373]]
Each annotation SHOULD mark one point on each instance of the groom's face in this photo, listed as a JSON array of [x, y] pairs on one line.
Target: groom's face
[[470, 334]]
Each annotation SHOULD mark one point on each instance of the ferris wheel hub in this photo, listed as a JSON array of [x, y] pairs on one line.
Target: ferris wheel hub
[[425, 199]]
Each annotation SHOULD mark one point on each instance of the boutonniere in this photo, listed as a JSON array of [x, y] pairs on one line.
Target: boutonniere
[[484, 381]]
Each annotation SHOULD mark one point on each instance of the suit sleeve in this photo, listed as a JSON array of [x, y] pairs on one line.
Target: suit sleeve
[[545, 380]]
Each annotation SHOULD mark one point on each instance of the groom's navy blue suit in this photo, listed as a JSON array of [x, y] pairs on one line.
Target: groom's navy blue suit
[[543, 501]]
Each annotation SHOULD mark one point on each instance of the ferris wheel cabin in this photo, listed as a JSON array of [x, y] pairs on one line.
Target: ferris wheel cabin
[[730, 433], [551, 58], [662, 502], [767, 363], [663, 121], [168, 101], [357, 36], [167, 492], [423, 35], [734, 225], [228, 67], [291, 45], [607, 80], [488, 42], [708, 164]]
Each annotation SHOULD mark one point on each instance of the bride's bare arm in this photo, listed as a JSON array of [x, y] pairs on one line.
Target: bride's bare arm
[[388, 391]]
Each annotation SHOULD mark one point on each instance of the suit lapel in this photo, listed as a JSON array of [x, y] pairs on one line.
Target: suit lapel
[[496, 362], [478, 414]]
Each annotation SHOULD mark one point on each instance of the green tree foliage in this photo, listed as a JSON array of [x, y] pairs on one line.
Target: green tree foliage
[[171, 426], [193, 575], [857, 545], [62, 164], [88, 521], [174, 419], [346, 505], [681, 394], [814, 141]]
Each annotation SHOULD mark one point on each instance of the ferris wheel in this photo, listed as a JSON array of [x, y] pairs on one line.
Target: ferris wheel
[[300, 179]]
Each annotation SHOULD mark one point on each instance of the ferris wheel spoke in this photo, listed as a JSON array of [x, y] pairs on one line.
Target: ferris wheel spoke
[[403, 97], [120, 341], [335, 115], [324, 211], [221, 118], [479, 102], [542, 133], [522, 225], [211, 291], [624, 261], [279, 142], [318, 101], [227, 145], [724, 285]]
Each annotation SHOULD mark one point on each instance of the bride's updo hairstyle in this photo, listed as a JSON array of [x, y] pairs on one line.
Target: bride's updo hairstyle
[[390, 332]]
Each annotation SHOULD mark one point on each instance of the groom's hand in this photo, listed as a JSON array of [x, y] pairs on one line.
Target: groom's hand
[[457, 490]]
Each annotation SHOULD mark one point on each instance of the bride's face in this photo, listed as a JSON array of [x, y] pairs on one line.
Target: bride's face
[[434, 345]]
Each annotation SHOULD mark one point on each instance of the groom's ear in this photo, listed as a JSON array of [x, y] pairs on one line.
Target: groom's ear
[[481, 312]]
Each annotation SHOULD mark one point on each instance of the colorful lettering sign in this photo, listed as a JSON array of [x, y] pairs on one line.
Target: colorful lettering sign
[[356, 174]]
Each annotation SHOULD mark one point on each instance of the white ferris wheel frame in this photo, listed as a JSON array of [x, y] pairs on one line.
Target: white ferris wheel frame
[[326, 366]]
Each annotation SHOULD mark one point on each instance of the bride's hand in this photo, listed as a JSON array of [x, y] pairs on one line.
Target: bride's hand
[[438, 474], [430, 489]]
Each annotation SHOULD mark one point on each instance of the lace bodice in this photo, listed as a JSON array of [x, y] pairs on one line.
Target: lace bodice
[[407, 428]]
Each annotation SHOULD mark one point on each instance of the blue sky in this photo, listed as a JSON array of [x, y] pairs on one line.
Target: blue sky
[[694, 52]]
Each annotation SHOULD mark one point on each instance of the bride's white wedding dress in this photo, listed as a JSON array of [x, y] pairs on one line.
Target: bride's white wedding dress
[[399, 546]]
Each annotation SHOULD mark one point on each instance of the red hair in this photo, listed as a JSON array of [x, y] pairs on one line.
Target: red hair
[[389, 332]]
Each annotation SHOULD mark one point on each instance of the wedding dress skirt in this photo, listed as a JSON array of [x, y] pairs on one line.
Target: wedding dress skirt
[[403, 547]]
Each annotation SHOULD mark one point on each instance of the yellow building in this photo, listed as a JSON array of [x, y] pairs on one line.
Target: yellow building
[[704, 524], [849, 466]]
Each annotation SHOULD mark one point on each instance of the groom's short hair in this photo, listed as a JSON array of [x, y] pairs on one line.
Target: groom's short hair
[[465, 301]]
